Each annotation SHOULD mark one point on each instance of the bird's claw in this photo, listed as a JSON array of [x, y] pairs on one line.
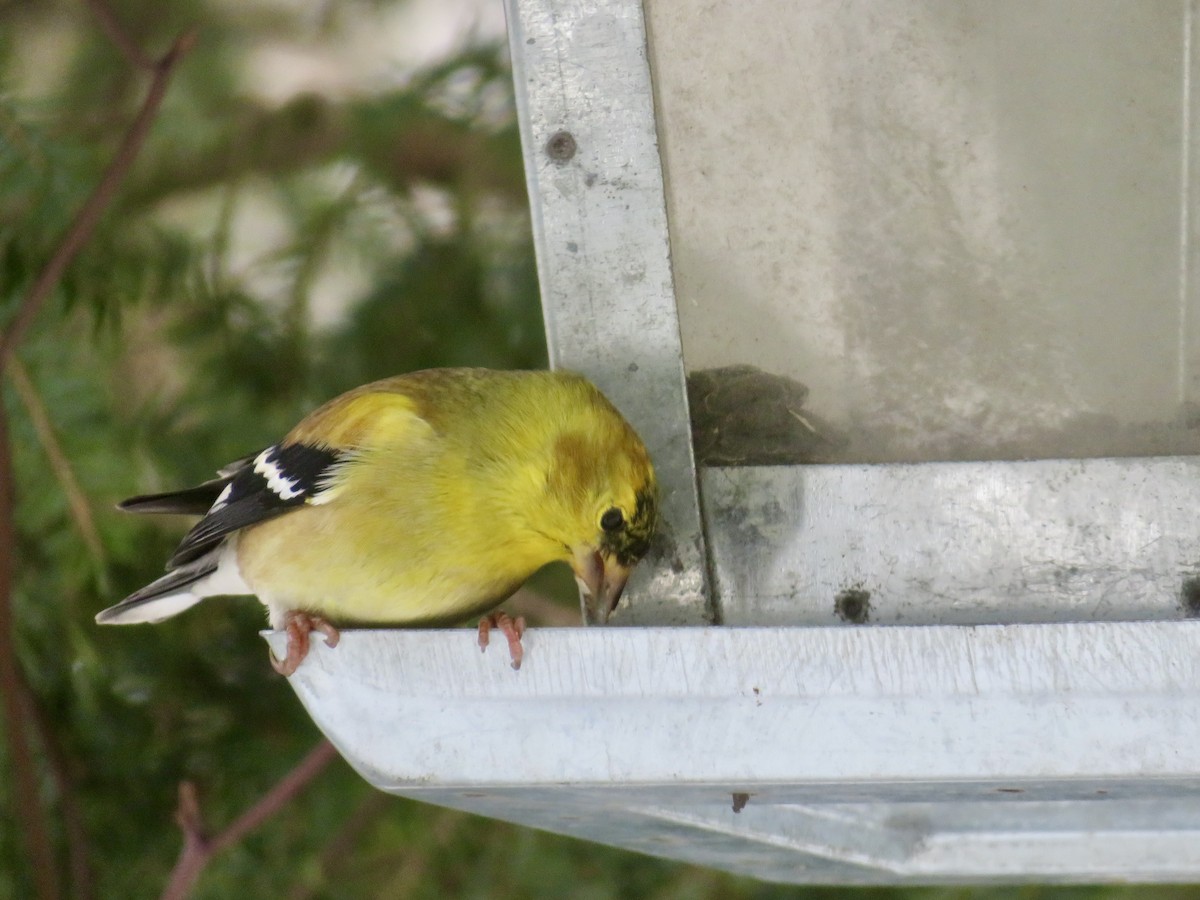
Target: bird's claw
[[511, 628], [299, 625]]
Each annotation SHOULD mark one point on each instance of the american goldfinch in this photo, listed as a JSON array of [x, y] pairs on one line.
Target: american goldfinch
[[417, 500]]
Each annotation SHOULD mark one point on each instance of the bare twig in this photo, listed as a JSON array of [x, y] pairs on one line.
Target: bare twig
[[80, 230], [195, 853], [198, 848], [31, 822], [115, 32], [79, 851], [81, 510], [275, 799]]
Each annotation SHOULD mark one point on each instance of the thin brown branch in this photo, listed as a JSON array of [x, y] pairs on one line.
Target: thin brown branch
[[79, 853], [80, 230], [77, 501], [196, 849], [31, 823], [199, 849], [15, 702], [279, 796], [115, 32]]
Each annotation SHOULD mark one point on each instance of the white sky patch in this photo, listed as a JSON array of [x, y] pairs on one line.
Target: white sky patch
[[373, 49], [333, 290], [436, 207]]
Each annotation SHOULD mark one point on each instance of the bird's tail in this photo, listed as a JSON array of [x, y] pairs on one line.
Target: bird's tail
[[160, 599], [214, 573]]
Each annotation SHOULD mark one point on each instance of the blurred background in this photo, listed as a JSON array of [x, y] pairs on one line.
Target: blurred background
[[331, 193]]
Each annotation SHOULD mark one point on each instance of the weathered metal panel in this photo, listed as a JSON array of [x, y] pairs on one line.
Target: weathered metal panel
[[968, 226], [962, 543], [1060, 751], [600, 226]]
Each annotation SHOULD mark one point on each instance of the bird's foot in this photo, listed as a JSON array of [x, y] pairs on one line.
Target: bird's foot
[[509, 627], [299, 625]]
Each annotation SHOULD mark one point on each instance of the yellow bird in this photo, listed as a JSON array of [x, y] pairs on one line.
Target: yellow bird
[[417, 500]]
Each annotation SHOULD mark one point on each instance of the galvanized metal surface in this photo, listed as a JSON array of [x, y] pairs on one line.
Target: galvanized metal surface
[[889, 754], [963, 543], [968, 226], [600, 226]]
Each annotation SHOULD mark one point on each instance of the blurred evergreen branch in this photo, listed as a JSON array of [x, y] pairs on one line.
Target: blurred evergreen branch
[[60, 464], [20, 706], [185, 349], [395, 139], [79, 232]]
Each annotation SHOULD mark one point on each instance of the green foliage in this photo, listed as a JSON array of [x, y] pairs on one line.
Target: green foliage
[[261, 258]]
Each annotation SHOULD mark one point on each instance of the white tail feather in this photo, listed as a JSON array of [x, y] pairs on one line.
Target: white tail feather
[[215, 574], [153, 610]]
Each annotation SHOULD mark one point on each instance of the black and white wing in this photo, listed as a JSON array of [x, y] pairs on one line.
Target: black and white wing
[[254, 489], [277, 480]]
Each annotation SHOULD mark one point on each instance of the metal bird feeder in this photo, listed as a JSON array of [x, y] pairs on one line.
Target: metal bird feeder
[[942, 544]]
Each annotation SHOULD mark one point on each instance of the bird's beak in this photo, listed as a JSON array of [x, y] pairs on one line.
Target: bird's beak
[[601, 581]]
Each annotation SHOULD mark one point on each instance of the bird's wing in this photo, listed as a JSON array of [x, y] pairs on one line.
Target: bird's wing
[[305, 468], [193, 501], [277, 480]]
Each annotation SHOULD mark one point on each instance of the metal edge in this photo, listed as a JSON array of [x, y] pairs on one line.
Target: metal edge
[[587, 121]]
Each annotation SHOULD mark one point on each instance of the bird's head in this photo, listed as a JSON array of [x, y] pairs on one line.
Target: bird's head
[[607, 495], [620, 538]]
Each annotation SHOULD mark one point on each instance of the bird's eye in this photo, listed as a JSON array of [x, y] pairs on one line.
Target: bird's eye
[[612, 520]]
